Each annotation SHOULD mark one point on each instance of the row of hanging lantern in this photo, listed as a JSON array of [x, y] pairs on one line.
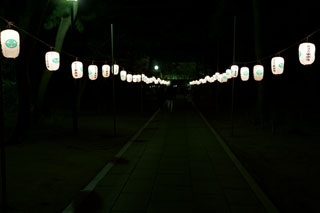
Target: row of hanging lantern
[[306, 52], [52, 59], [10, 45]]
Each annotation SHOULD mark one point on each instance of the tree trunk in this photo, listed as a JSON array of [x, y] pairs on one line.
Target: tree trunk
[[64, 25], [22, 69]]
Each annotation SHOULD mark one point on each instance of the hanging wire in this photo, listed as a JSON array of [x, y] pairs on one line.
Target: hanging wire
[[281, 51], [51, 47], [104, 61]]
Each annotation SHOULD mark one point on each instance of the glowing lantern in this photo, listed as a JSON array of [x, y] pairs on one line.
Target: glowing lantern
[[115, 69], [244, 73], [211, 80], [52, 60], [93, 72], [144, 78], [105, 70], [134, 78], [10, 43], [123, 75], [258, 72], [224, 78], [307, 53], [228, 73], [235, 70], [138, 78], [277, 65], [129, 78], [77, 69]]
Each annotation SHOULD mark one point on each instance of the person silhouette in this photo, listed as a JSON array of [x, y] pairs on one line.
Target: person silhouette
[[170, 96]]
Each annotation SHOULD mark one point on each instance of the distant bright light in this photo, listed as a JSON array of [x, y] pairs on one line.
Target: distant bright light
[[156, 67]]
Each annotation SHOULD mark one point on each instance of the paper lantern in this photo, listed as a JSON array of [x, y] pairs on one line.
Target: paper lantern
[[138, 78], [277, 65], [129, 77], [258, 72], [228, 73], [93, 72], [307, 53], [123, 75], [115, 69], [52, 59], [77, 69], [134, 78], [144, 78], [224, 78], [235, 70], [244, 73], [105, 70], [202, 81], [10, 43], [211, 80]]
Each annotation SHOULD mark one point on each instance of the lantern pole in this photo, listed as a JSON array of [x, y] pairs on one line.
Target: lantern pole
[[113, 85], [2, 149], [75, 81], [234, 56]]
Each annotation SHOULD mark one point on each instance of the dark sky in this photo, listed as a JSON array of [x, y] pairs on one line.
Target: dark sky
[[182, 29]]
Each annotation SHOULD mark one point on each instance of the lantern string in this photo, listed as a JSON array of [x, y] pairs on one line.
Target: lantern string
[[280, 51], [104, 61], [51, 47]]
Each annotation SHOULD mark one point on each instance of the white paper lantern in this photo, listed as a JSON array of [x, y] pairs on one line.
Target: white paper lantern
[[123, 75], [235, 70], [129, 77], [307, 53], [277, 65], [258, 72], [115, 69], [228, 73], [93, 72], [203, 81], [77, 69], [10, 43], [144, 78], [52, 59], [224, 78], [244, 73], [105, 70], [138, 78], [210, 80]]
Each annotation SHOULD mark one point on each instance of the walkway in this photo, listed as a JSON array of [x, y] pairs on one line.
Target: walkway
[[175, 165]]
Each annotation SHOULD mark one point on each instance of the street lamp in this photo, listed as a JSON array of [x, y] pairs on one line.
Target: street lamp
[[156, 67]]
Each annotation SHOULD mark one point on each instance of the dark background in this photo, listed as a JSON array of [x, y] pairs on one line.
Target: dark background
[[187, 39]]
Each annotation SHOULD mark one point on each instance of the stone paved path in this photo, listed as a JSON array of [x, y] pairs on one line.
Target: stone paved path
[[175, 165]]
